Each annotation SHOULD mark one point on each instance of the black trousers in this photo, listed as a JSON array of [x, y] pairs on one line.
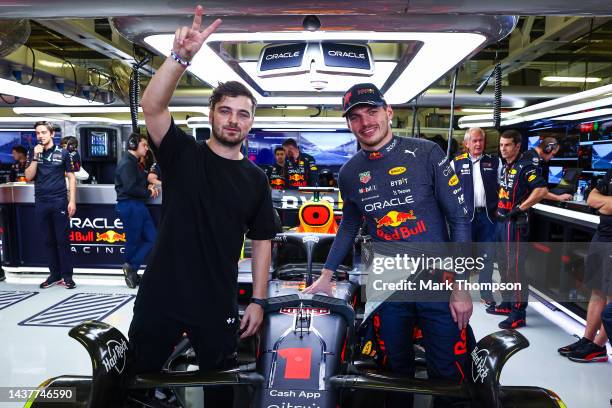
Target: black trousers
[[52, 216], [153, 338]]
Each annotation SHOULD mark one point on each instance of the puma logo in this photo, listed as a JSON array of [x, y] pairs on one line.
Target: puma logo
[[411, 152]]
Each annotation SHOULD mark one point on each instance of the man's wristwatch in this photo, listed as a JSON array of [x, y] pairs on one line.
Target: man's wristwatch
[[260, 302]]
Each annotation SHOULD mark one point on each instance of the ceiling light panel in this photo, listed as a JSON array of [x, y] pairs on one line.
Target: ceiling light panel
[[439, 53]]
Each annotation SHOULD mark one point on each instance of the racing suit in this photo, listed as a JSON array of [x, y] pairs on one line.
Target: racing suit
[[276, 176], [516, 182], [18, 171], [407, 192], [301, 172]]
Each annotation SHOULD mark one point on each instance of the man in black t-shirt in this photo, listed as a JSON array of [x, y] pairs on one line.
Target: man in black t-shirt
[[598, 277], [213, 195]]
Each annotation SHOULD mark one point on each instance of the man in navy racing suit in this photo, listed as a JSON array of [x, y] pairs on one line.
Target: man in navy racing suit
[[520, 187], [407, 192]]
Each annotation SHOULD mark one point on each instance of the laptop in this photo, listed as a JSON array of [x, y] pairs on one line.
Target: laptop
[[568, 182]]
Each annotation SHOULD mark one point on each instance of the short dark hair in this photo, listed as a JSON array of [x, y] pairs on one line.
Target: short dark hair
[[19, 149], [515, 135], [49, 125], [290, 142], [69, 141], [231, 89], [279, 148]]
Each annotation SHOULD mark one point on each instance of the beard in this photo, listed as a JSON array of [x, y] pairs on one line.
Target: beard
[[217, 134]]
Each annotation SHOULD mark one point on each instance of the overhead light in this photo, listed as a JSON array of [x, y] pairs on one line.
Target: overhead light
[[40, 94], [566, 105], [446, 48], [586, 115], [99, 109], [290, 107], [571, 79], [476, 110]]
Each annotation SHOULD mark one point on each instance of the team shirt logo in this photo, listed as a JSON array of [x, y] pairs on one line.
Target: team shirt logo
[[453, 180], [365, 177], [397, 170]]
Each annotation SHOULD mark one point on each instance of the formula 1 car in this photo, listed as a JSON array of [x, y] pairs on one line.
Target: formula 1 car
[[308, 354]]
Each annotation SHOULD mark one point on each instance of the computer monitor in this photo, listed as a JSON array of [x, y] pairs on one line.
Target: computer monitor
[[601, 158], [534, 141], [555, 173]]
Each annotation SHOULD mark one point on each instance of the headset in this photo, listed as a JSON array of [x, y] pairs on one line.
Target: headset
[[133, 140], [550, 147]]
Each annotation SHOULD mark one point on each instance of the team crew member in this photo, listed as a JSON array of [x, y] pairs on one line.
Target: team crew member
[[191, 281], [52, 206], [20, 155], [598, 270], [71, 144], [478, 173], [404, 189], [301, 167], [520, 187], [540, 156], [277, 173], [132, 191]]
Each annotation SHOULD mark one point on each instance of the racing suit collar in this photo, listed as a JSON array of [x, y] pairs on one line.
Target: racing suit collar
[[380, 153]]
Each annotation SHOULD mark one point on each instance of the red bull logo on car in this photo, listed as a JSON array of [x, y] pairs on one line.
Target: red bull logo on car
[[110, 236]]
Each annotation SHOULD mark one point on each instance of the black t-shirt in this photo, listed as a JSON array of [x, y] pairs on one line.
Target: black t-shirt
[[209, 203], [604, 186], [50, 182]]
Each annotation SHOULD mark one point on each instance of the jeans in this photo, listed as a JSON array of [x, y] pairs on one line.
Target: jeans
[[139, 230]]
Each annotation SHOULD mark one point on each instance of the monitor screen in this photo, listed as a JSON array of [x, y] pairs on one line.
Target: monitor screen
[[329, 148], [555, 173], [98, 144], [8, 139], [601, 158], [534, 141]]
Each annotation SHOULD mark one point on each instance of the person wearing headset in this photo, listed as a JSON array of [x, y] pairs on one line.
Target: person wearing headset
[[132, 191], [71, 144], [540, 156]]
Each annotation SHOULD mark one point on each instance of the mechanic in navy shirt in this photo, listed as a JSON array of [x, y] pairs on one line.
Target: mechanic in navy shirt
[[520, 187], [540, 155], [407, 192], [53, 208], [478, 173], [277, 173], [301, 168], [20, 155], [132, 191]]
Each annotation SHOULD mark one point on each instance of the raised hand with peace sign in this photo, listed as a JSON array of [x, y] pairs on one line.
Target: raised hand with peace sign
[[189, 40]]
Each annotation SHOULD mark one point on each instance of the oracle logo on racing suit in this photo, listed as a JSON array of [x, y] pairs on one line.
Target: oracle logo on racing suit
[[394, 202], [115, 356]]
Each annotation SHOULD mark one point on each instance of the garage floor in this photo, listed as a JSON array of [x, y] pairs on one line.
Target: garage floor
[[34, 344]]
